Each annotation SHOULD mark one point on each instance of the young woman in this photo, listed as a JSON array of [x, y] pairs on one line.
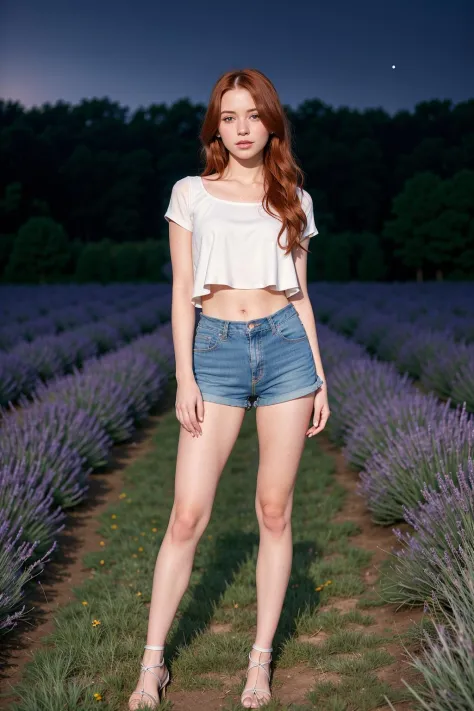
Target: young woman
[[252, 346]]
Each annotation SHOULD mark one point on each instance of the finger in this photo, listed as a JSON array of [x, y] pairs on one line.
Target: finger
[[200, 410], [194, 422], [187, 421], [191, 420]]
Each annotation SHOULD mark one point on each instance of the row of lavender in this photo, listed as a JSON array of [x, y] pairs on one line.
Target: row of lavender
[[436, 306], [57, 319], [23, 304], [441, 360], [416, 458], [49, 449], [29, 364]]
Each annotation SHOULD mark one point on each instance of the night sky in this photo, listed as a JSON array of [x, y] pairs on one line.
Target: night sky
[[146, 51]]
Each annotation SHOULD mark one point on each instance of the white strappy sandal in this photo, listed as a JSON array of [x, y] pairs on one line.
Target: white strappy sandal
[[250, 692], [161, 684]]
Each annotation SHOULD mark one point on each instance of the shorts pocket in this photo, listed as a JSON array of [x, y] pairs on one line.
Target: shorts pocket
[[206, 338], [292, 329]]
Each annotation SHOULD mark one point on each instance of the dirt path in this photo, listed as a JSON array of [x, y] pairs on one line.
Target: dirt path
[[379, 540]]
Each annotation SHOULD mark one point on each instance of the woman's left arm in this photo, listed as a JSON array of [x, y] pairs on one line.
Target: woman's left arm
[[302, 304]]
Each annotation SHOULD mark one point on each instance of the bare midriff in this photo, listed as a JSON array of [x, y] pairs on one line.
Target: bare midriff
[[226, 302]]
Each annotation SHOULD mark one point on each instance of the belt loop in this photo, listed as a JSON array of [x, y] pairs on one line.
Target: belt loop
[[225, 329], [272, 324]]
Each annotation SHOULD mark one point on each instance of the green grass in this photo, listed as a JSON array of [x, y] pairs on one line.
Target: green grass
[[80, 659]]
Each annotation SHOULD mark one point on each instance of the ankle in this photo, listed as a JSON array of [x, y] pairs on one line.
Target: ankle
[[261, 657], [260, 647], [153, 656]]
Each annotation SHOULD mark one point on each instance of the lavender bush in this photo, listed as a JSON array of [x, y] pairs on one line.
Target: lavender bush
[[385, 418], [393, 479], [27, 503], [463, 384], [357, 384], [67, 426], [447, 660], [14, 576], [438, 373], [443, 525]]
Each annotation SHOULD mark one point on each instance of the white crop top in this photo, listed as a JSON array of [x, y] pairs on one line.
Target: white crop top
[[234, 243]]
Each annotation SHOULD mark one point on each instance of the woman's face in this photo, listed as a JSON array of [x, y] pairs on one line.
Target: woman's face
[[240, 121]]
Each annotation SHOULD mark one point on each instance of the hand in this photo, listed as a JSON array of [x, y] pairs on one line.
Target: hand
[[321, 412], [189, 406]]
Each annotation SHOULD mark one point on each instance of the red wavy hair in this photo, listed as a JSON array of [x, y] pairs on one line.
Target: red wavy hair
[[282, 175]]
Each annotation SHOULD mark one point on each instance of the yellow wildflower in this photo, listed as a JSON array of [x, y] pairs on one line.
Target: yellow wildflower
[[319, 588], [114, 526], [97, 697], [141, 549], [328, 582], [138, 594], [123, 495], [102, 562], [114, 516], [95, 623], [84, 602], [154, 530], [102, 543]]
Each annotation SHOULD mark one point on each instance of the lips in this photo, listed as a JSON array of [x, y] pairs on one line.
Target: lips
[[244, 143]]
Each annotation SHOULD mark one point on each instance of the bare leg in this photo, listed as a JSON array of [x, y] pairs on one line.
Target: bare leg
[[281, 433], [199, 465]]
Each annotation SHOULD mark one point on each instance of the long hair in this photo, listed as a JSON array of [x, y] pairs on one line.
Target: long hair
[[282, 175]]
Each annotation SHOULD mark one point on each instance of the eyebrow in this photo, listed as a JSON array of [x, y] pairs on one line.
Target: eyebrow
[[233, 112]]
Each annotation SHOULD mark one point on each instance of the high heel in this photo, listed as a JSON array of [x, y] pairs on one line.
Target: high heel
[[161, 684], [251, 691]]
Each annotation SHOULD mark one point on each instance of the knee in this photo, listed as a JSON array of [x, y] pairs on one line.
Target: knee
[[186, 526], [273, 517]]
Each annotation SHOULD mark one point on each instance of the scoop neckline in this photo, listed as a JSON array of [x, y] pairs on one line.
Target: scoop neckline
[[230, 202]]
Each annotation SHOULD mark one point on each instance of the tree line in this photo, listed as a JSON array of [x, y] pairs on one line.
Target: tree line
[[393, 195]]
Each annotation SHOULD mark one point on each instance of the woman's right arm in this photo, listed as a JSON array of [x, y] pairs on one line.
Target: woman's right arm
[[182, 309], [189, 404]]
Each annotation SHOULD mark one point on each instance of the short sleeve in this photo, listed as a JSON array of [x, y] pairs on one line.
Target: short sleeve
[[307, 205], [179, 206]]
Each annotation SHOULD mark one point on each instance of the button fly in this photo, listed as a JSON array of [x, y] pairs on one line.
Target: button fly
[[251, 325]]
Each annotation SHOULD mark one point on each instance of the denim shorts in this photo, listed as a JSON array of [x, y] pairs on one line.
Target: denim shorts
[[251, 363]]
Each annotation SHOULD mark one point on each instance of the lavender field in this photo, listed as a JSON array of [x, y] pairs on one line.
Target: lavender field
[[82, 366]]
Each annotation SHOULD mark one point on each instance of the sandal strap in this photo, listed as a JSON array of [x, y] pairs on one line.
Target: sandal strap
[[255, 689], [149, 668], [261, 649], [153, 646], [254, 664], [142, 692]]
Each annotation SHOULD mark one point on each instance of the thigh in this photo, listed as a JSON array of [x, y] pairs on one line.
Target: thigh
[[281, 432], [200, 460]]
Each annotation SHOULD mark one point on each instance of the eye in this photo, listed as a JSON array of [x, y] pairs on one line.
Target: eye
[[231, 117]]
